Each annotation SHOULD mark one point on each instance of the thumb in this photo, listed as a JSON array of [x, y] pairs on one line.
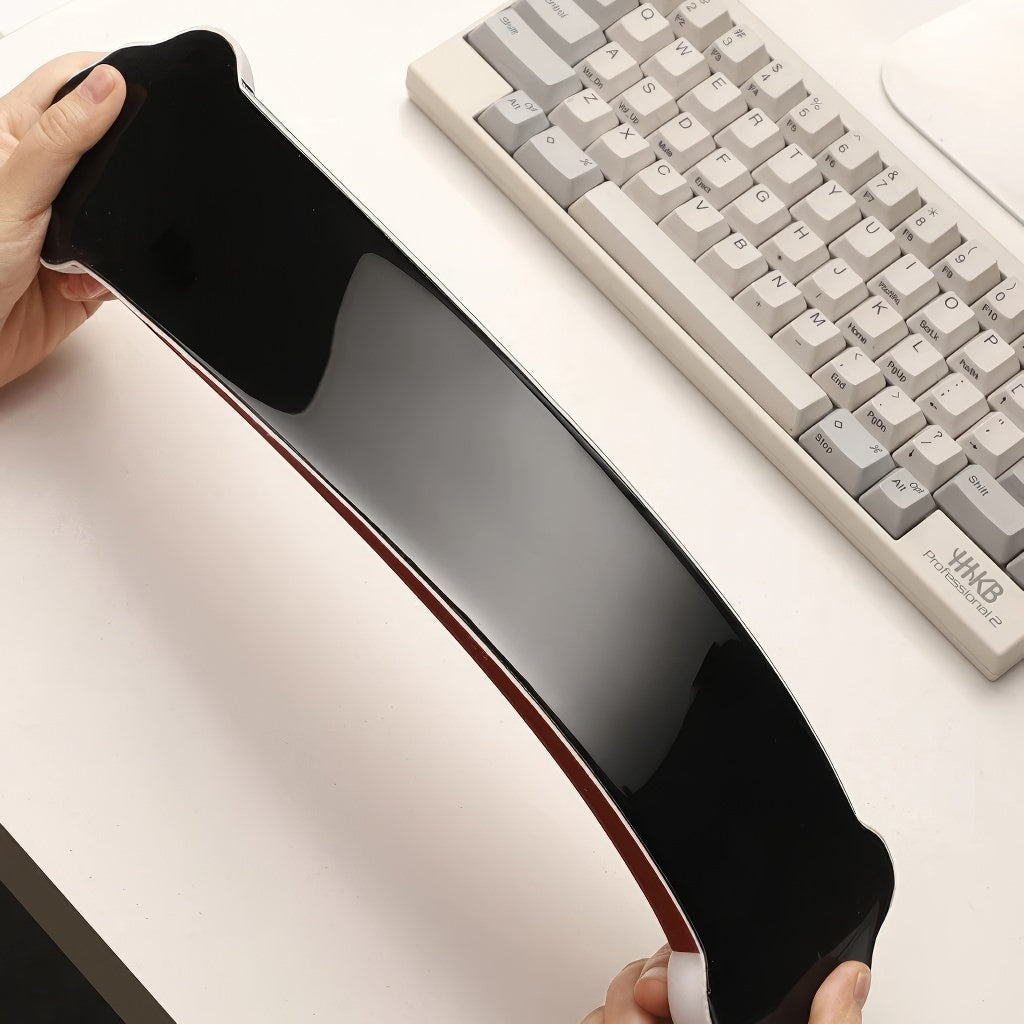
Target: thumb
[[842, 995], [46, 155]]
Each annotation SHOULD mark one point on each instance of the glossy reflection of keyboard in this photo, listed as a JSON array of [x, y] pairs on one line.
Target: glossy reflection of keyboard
[[862, 331]]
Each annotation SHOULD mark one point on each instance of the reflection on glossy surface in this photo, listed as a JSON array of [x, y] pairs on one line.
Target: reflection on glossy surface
[[231, 241]]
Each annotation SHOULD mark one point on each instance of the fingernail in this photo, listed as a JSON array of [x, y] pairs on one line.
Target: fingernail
[[862, 988], [99, 84]]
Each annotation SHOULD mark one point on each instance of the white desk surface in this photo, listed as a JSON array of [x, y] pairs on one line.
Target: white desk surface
[[261, 770]]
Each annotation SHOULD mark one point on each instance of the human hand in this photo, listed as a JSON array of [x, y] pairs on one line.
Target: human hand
[[39, 147], [638, 994]]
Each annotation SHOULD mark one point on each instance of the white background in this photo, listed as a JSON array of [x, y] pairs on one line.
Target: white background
[[261, 770]]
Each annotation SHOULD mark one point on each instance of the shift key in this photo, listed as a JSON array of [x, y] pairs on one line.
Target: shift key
[[847, 452], [984, 510]]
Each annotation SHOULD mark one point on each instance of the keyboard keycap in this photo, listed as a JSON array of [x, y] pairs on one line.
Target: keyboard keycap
[[658, 190], [772, 302], [644, 106], [523, 59], [715, 102], [701, 23], [720, 178], [757, 214], [834, 289], [513, 120], [584, 117], [695, 227], [1002, 309], [566, 28], [929, 234], [898, 502], [995, 443], [733, 264], [946, 321], [811, 340], [642, 32], [850, 379], [604, 12], [955, 404], [847, 452], [559, 166], [850, 161], [892, 417], [621, 153], [609, 71], [812, 124], [679, 67], [737, 54], [869, 247], [791, 174], [748, 355], [982, 508], [873, 326], [987, 360], [932, 456], [775, 88], [828, 211], [914, 364], [682, 142], [1009, 399], [906, 284], [889, 197], [752, 137], [795, 250], [970, 270]]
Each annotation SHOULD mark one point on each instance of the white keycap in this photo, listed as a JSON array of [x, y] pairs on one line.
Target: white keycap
[[559, 166], [621, 153], [644, 106], [850, 378], [658, 189], [932, 456], [907, 284], [565, 27], [979, 505], [828, 211], [868, 247], [737, 54], [811, 340], [946, 322], [604, 12], [995, 442], [757, 214], [812, 124], [695, 227], [1002, 309], [720, 178], [847, 452], [873, 326], [850, 161], [748, 355], [679, 67], [834, 289], [892, 416], [795, 250], [701, 23], [683, 141], [584, 117], [733, 264], [523, 59], [715, 102], [513, 120], [772, 302], [1009, 399], [890, 197], [914, 364], [987, 360], [643, 32], [752, 137], [609, 71], [791, 174], [929, 234], [970, 270], [775, 88], [955, 404], [898, 502]]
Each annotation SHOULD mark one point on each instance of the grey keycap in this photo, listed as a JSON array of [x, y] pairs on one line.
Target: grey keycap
[[1016, 570], [847, 452], [564, 26], [898, 502], [513, 120], [1013, 481], [559, 166], [524, 60], [983, 509]]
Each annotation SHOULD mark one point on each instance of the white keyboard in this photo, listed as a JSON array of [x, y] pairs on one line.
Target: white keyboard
[[840, 309]]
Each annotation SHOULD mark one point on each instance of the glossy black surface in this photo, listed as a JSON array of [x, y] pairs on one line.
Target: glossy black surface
[[222, 233]]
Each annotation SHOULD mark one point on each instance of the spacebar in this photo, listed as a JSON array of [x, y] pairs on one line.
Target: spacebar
[[720, 327]]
